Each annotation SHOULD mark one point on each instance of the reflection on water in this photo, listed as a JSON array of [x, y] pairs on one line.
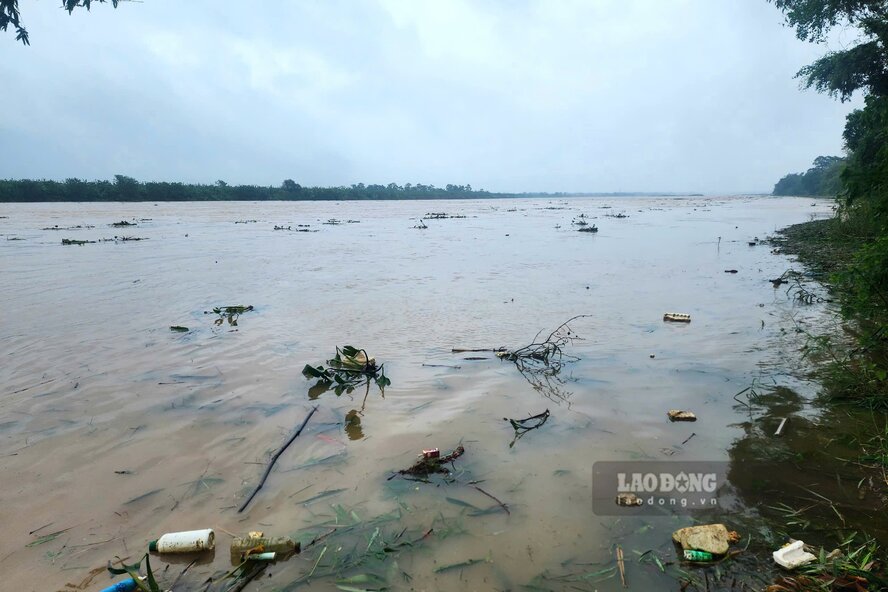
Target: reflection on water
[[103, 404], [353, 424]]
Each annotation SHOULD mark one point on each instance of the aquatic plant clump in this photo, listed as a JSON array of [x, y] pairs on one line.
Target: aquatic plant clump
[[350, 367], [229, 313]]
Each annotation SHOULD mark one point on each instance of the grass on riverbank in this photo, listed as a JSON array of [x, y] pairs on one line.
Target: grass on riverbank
[[847, 254]]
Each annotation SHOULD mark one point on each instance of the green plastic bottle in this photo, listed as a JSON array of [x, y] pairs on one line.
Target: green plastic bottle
[[692, 555]]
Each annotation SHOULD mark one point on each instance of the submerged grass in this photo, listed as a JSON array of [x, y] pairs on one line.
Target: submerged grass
[[855, 370], [357, 553]]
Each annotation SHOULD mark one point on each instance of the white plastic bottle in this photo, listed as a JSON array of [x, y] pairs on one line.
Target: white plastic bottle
[[184, 542]]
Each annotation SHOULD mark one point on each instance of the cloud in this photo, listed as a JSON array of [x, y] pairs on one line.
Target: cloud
[[530, 95]]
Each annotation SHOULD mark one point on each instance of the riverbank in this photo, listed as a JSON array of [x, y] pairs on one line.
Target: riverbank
[[838, 442], [816, 246]]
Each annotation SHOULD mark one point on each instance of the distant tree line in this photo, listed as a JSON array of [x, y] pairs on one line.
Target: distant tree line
[[124, 188], [824, 178]]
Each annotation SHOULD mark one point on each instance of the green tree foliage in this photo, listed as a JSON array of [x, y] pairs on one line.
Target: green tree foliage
[[840, 73], [866, 138], [823, 179], [10, 15], [862, 223]]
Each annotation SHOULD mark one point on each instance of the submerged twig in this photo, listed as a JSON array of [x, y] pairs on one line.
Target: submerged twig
[[522, 426], [494, 498], [274, 460]]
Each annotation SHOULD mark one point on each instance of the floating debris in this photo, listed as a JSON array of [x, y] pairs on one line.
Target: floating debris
[[522, 426], [274, 460], [179, 329], [442, 215], [782, 425], [431, 465], [463, 564], [712, 538], [592, 228], [243, 548], [230, 313], [628, 499], [700, 556], [47, 538], [541, 362], [793, 555], [677, 317], [123, 239], [123, 223], [57, 227], [350, 367], [676, 415], [190, 541], [71, 241]]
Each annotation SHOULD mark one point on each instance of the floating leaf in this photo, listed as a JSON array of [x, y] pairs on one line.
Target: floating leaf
[[461, 564], [321, 495], [47, 538], [461, 503]]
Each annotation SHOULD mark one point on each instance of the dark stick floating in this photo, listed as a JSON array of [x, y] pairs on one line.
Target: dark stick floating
[[274, 460]]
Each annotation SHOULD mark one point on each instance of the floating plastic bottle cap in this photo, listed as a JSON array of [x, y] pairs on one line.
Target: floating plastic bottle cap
[[152, 546]]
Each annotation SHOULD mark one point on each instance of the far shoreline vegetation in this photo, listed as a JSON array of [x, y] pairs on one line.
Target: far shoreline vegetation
[[824, 179], [128, 189]]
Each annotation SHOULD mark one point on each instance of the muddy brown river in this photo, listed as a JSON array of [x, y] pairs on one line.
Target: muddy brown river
[[115, 429]]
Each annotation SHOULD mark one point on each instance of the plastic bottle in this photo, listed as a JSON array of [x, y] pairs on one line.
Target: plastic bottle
[[184, 542], [281, 545], [692, 555], [122, 586]]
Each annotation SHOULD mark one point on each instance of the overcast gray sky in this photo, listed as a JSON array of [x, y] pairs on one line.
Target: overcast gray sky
[[546, 95]]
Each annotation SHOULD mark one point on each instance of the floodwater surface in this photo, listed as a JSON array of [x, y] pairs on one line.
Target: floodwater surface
[[115, 429]]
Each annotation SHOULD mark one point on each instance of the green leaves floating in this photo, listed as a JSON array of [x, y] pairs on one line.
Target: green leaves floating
[[229, 313], [148, 584], [47, 538], [350, 367]]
